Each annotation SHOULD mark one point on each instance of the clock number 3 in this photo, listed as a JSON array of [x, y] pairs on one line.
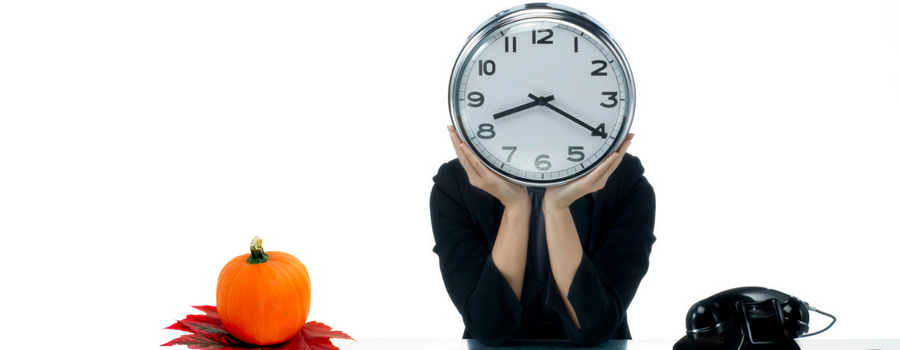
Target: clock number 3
[[612, 97]]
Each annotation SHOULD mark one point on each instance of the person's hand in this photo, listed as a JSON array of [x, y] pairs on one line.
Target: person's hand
[[508, 193], [562, 196]]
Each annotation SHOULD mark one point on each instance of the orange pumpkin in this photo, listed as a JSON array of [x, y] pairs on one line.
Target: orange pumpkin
[[263, 298]]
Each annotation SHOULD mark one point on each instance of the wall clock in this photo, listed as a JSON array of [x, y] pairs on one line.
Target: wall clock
[[542, 93]]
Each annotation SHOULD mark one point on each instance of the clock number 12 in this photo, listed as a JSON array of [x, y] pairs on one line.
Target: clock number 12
[[544, 40]]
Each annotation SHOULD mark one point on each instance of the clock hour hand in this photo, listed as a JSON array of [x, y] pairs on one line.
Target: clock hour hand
[[594, 131], [539, 101]]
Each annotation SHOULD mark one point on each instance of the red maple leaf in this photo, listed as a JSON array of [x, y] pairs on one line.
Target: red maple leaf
[[208, 333]]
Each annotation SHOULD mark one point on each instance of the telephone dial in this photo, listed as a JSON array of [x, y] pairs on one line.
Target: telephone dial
[[747, 318]]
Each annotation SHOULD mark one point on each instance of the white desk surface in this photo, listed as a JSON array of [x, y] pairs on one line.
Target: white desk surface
[[463, 344]]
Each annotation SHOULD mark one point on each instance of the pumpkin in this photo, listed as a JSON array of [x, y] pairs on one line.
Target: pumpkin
[[263, 298]]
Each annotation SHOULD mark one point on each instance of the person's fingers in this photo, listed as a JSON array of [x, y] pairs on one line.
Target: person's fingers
[[454, 140], [470, 157], [479, 176], [460, 154], [571, 191], [596, 179], [598, 172], [474, 163], [601, 180], [622, 149], [624, 146]]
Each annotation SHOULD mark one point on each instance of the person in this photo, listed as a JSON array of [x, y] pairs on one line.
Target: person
[[543, 263]]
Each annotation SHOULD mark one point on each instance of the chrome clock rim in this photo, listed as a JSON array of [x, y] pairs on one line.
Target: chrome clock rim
[[541, 11]]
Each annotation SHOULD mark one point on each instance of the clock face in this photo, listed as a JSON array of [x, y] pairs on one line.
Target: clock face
[[542, 101]]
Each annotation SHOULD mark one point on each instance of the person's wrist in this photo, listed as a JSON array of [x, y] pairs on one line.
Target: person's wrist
[[552, 202], [520, 203], [554, 211]]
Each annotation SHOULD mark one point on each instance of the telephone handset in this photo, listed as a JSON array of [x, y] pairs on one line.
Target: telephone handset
[[747, 318]]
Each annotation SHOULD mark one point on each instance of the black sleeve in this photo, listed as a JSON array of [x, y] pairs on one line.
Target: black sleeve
[[608, 277], [488, 305]]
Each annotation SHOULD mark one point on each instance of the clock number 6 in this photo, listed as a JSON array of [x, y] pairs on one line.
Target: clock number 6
[[612, 97], [541, 162], [477, 99]]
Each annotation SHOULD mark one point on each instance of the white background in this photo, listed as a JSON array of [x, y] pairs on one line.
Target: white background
[[143, 144]]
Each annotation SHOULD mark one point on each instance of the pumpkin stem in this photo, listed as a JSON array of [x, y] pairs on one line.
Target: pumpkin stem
[[257, 255]]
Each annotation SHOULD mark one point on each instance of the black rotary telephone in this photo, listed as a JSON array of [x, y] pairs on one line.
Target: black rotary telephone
[[747, 318]]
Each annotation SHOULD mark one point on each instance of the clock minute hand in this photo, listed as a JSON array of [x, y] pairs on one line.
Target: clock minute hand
[[539, 101], [594, 131]]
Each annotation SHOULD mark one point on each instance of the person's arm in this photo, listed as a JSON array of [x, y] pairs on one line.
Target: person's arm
[[484, 284], [563, 244], [606, 279], [595, 289], [565, 252], [484, 297], [609, 273], [511, 247]]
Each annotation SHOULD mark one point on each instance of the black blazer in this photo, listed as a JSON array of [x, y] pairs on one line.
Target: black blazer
[[615, 225]]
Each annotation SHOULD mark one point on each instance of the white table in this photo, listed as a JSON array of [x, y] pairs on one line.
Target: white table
[[463, 344]]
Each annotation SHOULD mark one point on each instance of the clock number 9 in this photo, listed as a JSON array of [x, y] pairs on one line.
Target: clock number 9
[[477, 99], [541, 162]]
